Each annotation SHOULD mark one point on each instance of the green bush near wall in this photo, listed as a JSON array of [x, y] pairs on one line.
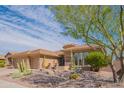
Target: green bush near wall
[[96, 60], [2, 63]]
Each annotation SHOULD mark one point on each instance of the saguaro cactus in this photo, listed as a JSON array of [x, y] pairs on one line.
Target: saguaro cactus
[[22, 66]]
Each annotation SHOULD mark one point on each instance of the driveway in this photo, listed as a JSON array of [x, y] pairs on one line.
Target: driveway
[[5, 71], [7, 84]]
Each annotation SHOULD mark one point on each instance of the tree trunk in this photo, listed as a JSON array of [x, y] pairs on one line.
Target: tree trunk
[[121, 74], [115, 77]]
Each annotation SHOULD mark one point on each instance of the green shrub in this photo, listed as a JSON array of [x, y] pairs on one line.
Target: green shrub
[[16, 74], [73, 67], [96, 60], [2, 63], [28, 72], [74, 76]]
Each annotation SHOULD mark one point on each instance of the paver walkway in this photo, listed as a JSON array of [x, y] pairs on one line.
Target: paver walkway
[[7, 84]]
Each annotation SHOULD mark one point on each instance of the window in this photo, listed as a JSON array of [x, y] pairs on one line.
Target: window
[[61, 61], [79, 58]]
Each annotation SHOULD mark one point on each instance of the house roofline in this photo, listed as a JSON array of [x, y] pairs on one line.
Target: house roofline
[[71, 47]]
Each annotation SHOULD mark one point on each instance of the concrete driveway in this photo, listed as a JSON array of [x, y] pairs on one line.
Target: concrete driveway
[[7, 84], [5, 71]]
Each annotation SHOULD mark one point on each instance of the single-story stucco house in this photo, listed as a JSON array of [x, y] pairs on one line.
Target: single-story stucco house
[[41, 58]]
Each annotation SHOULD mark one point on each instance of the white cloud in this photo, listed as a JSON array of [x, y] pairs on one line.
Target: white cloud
[[48, 33]]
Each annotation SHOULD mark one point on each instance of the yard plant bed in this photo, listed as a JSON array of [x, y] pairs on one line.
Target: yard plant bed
[[87, 79], [55, 79]]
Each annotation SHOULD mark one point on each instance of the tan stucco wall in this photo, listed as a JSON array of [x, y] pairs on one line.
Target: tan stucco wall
[[14, 61], [34, 63], [49, 61], [67, 57], [63, 68]]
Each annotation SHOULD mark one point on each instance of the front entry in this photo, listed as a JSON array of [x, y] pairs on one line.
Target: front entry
[[61, 61]]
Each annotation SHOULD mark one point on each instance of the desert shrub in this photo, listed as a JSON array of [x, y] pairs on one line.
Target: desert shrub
[[48, 66], [74, 76], [96, 60], [2, 63], [16, 74], [73, 67], [28, 72]]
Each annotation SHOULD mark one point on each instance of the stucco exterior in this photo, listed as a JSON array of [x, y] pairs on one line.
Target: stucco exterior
[[41, 58]]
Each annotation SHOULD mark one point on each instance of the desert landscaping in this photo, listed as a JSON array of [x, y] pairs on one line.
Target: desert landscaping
[[62, 46], [54, 79]]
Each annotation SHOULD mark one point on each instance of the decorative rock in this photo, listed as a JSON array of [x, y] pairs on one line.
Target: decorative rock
[[61, 79]]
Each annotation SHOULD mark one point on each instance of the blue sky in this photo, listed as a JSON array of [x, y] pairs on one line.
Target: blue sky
[[30, 27]]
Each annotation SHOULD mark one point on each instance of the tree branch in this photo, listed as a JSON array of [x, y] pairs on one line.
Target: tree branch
[[104, 31], [121, 25]]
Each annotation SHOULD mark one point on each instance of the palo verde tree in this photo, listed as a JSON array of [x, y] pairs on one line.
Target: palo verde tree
[[100, 25]]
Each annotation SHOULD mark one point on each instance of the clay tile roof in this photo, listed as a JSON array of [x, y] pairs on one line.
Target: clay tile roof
[[84, 47], [60, 52], [38, 51], [9, 54], [69, 46], [44, 52], [22, 53]]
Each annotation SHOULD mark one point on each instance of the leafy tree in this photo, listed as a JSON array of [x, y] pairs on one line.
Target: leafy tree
[[96, 60], [100, 25]]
